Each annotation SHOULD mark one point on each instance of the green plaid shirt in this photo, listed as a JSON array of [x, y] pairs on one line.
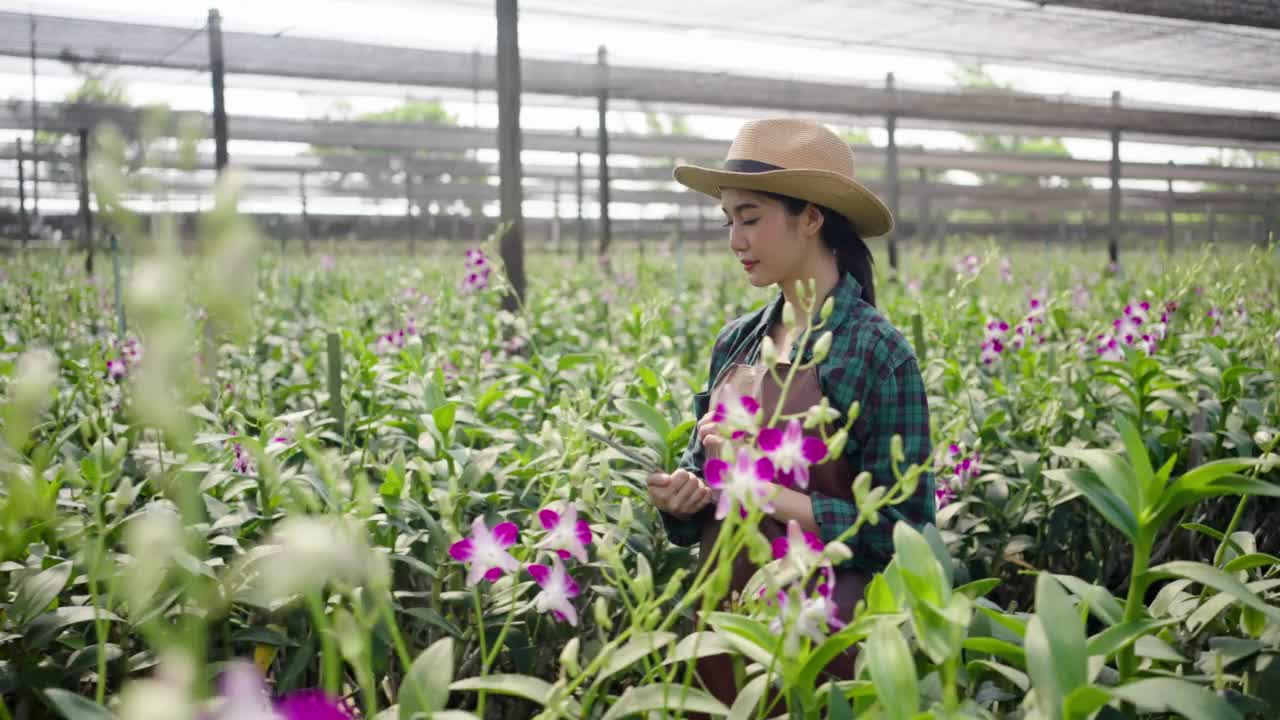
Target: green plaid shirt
[[870, 362]]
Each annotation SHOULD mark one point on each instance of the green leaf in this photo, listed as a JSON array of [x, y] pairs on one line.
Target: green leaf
[[640, 645], [647, 376], [697, 645], [1140, 462], [1152, 647], [647, 415], [572, 360], [1115, 473], [1101, 603], [425, 688], [838, 707], [921, 572], [1112, 508], [1216, 579], [529, 688], [444, 416], [749, 637], [1002, 649], [665, 696], [38, 591], [75, 707], [1180, 696], [744, 705], [978, 588], [822, 655], [1117, 637], [1251, 561], [1013, 675], [1055, 646], [893, 672], [1084, 701]]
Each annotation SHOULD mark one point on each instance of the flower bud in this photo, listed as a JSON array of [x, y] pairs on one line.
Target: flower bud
[[1263, 438], [788, 315], [827, 308], [822, 347], [837, 552], [895, 450], [862, 484], [835, 446], [768, 352], [642, 585], [1270, 462], [601, 609], [569, 657], [626, 515]]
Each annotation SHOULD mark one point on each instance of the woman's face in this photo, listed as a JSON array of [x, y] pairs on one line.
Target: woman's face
[[773, 245]]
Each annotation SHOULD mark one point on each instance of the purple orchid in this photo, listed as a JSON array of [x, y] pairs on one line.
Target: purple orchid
[[115, 369], [800, 549], [792, 452], [739, 416], [746, 483], [943, 495], [566, 534], [486, 551], [812, 617], [558, 591], [244, 697]]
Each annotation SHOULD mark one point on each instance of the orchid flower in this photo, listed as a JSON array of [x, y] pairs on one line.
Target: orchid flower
[[739, 416], [792, 452], [566, 534], [812, 617], [558, 591], [486, 551], [800, 550], [746, 483]]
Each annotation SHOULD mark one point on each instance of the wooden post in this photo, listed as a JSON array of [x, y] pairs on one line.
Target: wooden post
[[219, 99], [581, 229], [891, 166], [22, 199], [410, 223], [511, 193], [1113, 232], [555, 215], [1168, 211], [306, 220], [602, 142], [86, 216]]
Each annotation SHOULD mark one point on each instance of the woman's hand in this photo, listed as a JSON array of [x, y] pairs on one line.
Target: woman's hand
[[711, 442], [681, 493]]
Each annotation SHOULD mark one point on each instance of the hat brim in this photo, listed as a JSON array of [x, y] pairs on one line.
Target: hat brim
[[833, 190]]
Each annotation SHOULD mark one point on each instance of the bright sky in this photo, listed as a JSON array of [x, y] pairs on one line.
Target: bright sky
[[459, 25]]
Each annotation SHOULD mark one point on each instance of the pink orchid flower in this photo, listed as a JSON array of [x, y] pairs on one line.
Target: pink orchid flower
[[486, 551], [792, 452], [812, 617], [799, 550], [566, 534], [746, 483], [738, 415], [558, 591]]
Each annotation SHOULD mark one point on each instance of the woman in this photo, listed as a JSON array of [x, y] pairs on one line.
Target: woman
[[795, 212]]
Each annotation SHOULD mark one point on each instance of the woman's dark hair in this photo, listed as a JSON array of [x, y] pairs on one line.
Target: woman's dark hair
[[852, 254]]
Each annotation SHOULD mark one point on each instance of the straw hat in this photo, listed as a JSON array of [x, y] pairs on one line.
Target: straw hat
[[796, 158]]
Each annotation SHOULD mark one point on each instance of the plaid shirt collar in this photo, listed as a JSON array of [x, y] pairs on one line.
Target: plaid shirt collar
[[846, 293]]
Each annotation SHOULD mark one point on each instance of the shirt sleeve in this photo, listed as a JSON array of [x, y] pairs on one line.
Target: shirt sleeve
[[898, 405]]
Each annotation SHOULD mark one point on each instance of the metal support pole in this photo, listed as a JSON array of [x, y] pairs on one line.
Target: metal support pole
[[510, 191], [1113, 232], [891, 166], [702, 226], [582, 225], [1213, 223], [22, 198], [602, 140], [219, 100], [86, 216], [306, 221], [922, 222]]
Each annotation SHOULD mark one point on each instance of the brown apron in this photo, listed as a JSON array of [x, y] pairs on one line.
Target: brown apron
[[833, 478]]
